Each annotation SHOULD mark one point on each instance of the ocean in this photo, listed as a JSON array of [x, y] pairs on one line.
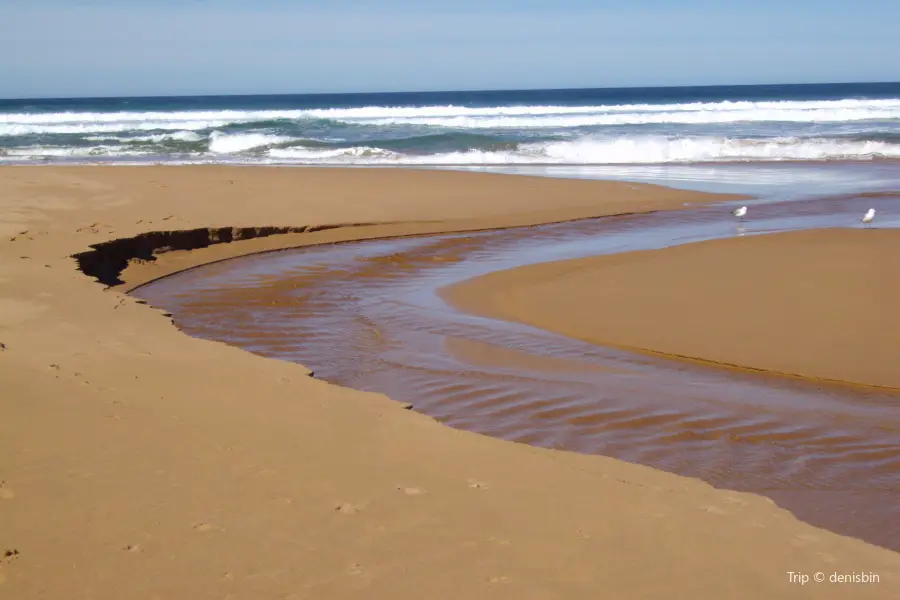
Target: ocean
[[626, 126]]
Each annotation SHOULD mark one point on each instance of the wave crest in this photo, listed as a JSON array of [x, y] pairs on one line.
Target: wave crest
[[585, 151], [223, 143], [451, 116], [647, 150]]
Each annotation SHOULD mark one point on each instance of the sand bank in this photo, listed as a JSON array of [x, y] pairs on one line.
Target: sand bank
[[138, 462], [819, 304]]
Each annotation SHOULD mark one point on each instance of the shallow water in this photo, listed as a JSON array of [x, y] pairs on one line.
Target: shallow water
[[366, 315]]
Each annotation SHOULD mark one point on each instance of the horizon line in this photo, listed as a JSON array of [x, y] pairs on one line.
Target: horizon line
[[436, 92]]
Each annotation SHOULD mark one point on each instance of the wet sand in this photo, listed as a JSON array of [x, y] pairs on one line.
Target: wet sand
[[139, 462], [369, 316], [819, 304]]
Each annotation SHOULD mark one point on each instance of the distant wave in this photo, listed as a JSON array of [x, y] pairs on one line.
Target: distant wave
[[701, 114], [379, 112], [93, 152], [352, 155], [459, 117], [647, 150], [235, 142], [599, 151], [179, 136], [639, 150], [447, 134], [222, 143]]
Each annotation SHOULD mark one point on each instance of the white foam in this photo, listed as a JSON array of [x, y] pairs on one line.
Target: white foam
[[380, 112], [231, 116], [223, 143], [664, 150], [355, 154], [16, 129], [584, 151], [825, 111], [699, 117], [71, 152], [178, 136], [642, 150]]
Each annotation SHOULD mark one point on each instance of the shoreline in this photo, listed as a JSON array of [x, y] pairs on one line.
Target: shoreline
[[215, 248], [520, 295], [446, 166], [135, 276], [170, 475]]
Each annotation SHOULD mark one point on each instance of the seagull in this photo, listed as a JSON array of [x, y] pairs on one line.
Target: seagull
[[868, 217], [740, 213]]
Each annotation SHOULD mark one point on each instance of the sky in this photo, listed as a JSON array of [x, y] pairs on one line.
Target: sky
[[71, 48]]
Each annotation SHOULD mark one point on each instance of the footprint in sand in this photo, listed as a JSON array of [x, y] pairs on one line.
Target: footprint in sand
[[804, 539], [498, 579], [716, 510], [11, 555], [477, 485], [5, 492], [205, 527], [734, 500], [347, 508], [413, 491], [132, 548]]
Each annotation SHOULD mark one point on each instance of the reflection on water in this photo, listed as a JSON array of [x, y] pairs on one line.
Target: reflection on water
[[366, 315], [765, 181]]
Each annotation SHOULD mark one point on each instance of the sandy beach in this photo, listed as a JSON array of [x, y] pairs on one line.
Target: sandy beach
[[818, 304], [138, 462]]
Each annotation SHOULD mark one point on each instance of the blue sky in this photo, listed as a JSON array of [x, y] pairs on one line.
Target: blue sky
[[62, 48]]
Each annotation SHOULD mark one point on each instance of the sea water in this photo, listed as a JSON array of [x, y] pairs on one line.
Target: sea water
[[627, 126]]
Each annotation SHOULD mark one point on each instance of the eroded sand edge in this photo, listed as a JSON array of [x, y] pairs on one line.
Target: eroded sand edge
[[138, 462]]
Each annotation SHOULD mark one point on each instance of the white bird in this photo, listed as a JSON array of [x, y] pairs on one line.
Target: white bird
[[868, 217], [740, 213]]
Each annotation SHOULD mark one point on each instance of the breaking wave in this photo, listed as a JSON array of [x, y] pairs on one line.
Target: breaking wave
[[607, 131], [461, 117], [628, 150], [618, 151]]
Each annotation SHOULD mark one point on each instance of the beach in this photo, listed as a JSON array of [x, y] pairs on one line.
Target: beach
[[818, 304], [369, 315], [139, 462]]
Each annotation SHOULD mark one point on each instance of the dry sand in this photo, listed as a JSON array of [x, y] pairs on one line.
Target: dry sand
[[138, 462], [818, 304]]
